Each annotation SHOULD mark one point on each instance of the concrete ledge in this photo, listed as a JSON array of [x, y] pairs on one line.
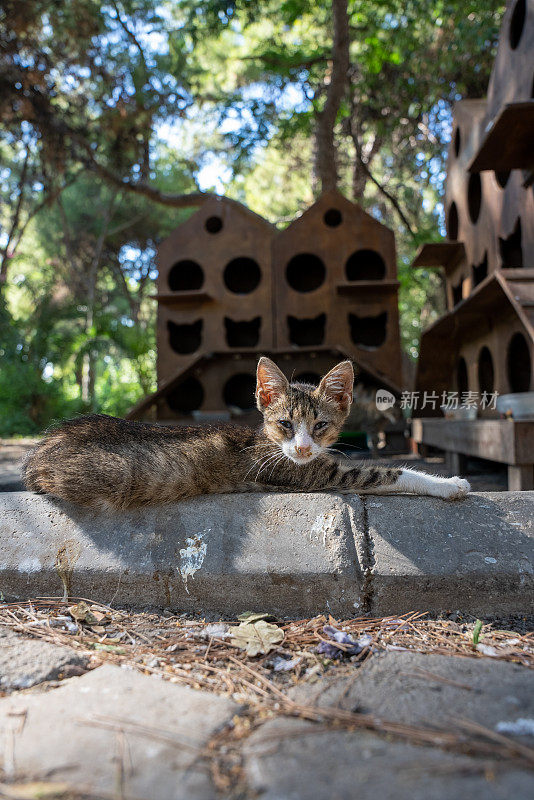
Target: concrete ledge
[[291, 554]]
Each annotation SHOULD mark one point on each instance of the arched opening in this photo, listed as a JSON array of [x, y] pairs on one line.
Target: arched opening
[[312, 378], [242, 334], [333, 218], [185, 337], [510, 248], [368, 331], [480, 271], [502, 178], [517, 23], [519, 364], [213, 224], [306, 332], [474, 197], [462, 380], [485, 371], [452, 222], [457, 142], [365, 265], [188, 396], [305, 272], [242, 275], [239, 391], [185, 276], [457, 292]]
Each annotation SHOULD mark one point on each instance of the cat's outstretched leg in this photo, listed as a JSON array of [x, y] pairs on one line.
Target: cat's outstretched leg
[[385, 480], [412, 482]]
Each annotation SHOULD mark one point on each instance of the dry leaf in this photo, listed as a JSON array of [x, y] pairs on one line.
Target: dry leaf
[[81, 612], [107, 648], [252, 616], [34, 790], [257, 637]]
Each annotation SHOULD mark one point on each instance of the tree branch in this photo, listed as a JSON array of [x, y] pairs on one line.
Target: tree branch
[[381, 188]]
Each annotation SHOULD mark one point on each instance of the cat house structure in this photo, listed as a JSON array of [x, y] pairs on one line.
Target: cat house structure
[[485, 340], [232, 287]]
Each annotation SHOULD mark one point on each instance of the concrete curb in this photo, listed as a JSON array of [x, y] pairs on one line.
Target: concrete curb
[[290, 554]]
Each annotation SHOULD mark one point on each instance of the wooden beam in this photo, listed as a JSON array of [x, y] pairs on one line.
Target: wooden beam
[[508, 142]]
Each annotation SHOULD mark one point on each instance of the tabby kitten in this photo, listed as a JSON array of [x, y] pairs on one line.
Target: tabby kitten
[[104, 462]]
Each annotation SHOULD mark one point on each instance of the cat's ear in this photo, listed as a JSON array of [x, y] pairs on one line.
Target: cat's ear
[[337, 385], [270, 383]]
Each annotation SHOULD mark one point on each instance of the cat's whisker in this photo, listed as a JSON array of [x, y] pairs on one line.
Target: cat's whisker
[[268, 460], [282, 457], [265, 464], [334, 450], [258, 460]]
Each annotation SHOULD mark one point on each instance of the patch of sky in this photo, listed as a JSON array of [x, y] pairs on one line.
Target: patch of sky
[[48, 372]]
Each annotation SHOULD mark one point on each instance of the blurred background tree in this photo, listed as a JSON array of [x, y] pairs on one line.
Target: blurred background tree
[[116, 118]]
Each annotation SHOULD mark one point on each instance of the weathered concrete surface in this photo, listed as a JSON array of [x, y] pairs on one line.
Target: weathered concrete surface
[[290, 554], [287, 759], [115, 732], [285, 553], [294, 760], [430, 690], [25, 662], [476, 555]]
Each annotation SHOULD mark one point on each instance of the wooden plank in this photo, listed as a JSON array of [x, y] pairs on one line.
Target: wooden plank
[[520, 478], [439, 254], [524, 441], [358, 287], [508, 143], [188, 297], [505, 440]]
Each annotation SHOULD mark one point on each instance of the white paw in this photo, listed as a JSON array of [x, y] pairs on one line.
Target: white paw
[[455, 489]]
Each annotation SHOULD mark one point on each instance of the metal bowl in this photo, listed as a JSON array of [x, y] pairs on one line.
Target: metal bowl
[[520, 405]]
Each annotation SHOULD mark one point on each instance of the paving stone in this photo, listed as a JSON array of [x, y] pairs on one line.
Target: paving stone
[[25, 662], [286, 759], [294, 760], [418, 689], [111, 721]]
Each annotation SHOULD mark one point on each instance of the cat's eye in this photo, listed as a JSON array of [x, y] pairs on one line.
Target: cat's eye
[[285, 423], [320, 425]]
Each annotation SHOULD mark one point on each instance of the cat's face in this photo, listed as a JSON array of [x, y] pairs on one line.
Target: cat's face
[[301, 419]]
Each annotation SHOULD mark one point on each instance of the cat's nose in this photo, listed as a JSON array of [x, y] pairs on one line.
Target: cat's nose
[[303, 450]]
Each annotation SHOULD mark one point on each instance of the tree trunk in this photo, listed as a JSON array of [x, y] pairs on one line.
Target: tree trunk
[[88, 361], [6, 254], [336, 83]]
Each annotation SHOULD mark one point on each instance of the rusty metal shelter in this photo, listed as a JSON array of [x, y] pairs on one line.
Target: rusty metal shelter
[[231, 286], [485, 340]]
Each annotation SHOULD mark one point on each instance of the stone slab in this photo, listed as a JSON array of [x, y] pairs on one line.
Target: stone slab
[[476, 556], [115, 733], [286, 759], [419, 689], [26, 662], [283, 553]]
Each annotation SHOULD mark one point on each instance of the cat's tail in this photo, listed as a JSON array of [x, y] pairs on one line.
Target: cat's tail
[[35, 469]]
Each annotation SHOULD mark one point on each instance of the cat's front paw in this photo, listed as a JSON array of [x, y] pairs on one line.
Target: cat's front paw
[[456, 489]]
